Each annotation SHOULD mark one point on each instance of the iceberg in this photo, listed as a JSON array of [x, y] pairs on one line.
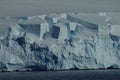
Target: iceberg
[[61, 41]]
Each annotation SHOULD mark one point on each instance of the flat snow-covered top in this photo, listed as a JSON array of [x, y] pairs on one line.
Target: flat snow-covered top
[[115, 18], [92, 18], [36, 20], [64, 20], [6, 23], [53, 15]]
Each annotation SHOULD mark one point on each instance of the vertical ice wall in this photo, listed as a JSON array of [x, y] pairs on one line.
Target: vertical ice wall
[[60, 31]]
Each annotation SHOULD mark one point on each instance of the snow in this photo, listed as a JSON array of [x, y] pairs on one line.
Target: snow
[[75, 40], [102, 14], [35, 28], [53, 18], [114, 18], [4, 24], [16, 29], [68, 23], [42, 16], [33, 20], [3, 34], [88, 19]]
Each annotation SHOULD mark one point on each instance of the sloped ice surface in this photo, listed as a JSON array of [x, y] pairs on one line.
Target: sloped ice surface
[[86, 46]]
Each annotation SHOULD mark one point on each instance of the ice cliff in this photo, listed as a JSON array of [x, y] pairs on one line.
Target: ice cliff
[[60, 41]]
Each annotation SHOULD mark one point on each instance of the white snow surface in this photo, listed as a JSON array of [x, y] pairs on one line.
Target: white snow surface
[[79, 45]]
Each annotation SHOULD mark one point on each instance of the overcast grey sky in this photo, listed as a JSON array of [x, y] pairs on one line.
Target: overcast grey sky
[[36, 7]]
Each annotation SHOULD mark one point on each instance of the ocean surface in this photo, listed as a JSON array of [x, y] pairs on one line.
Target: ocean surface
[[63, 75]]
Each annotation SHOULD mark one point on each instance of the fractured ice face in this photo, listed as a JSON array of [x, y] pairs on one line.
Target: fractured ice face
[[61, 41], [36, 27]]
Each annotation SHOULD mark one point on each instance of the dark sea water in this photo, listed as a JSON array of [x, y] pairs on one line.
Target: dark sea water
[[63, 75]]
